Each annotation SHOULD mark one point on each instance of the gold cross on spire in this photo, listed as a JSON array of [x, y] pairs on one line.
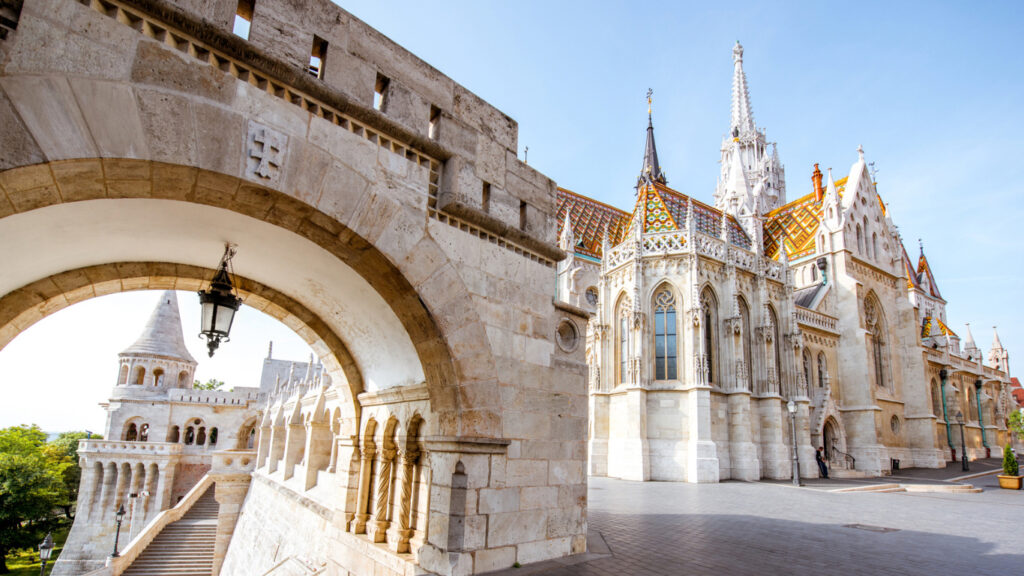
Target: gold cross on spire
[[650, 93]]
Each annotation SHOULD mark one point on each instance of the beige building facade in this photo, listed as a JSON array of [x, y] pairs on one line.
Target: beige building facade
[[728, 340]]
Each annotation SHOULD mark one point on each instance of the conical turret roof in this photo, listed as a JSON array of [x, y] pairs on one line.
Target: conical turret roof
[[162, 335]]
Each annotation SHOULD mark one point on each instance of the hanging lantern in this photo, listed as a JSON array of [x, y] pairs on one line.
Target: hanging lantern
[[219, 303]]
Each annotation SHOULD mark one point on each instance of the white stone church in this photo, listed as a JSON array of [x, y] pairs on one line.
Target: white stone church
[[710, 322]]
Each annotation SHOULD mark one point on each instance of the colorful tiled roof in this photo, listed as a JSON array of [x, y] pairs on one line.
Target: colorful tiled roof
[[658, 207], [796, 224], [590, 219], [924, 268], [912, 281], [931, 327]]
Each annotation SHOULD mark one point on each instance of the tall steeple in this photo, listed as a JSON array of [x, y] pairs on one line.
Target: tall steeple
[[742, 113], [759, 158], [651, 171]]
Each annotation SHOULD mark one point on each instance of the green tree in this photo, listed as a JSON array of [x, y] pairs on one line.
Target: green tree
[[211, 384], [1010, 467], [1016, 423], [31, 481]]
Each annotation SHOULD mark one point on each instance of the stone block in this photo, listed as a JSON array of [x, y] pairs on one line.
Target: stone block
[[220, 136], [516, 527], [490, 162], [160, 66], [167, 120], [46, 51], [490, 121], [543, 550], [475, 536], [498, 500], [527, 425], [48, 108], [304, 174], [526, 473], [17, 147], [350, 74], [538, 498], [407, 108], [565, 472], [494, 559], [111, 113], [276, 31]]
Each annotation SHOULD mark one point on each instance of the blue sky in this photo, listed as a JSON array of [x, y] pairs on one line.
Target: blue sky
[[931, 90]]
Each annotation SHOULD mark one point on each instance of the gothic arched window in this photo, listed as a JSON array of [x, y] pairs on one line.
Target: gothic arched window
[[878, 346], [665, 347], [774, 319], [709, 313], [807, 368], [860, 239], [936, 400], [748, 360], [622, 340], [822, 370]]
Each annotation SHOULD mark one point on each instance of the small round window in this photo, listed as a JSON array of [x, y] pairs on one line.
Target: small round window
[[591, 296], [895, 424], [567, 335]]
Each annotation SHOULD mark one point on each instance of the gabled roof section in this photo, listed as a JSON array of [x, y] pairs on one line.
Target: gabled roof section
[[708, 220], [590, 219], [924, 268], [796, 224], [655, 214], [931, 327], [912, 280]]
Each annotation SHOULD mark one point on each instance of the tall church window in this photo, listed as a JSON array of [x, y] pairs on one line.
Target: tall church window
[[874, 245], [748, 359], [972, 400], [822, 370], [860, 239], [936, 400], [622, 342], [867, 247], [709, 311], [807, 367], [665, 347], [774, 319], [877, 341]]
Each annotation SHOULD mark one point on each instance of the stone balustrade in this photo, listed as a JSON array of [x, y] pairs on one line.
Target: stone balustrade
[[817, 320], [121, 447]]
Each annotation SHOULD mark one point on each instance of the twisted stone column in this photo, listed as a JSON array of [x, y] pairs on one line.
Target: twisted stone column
[[381, 521], [358, 525], [400, 533]]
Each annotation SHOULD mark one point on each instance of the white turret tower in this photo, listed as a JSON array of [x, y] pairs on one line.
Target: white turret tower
[[159, 358], [763, 186]]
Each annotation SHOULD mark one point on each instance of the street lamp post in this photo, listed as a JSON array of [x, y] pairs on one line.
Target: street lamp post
[[791, 406], [219, 303], [117, 535], [45, 549], [963, 442]]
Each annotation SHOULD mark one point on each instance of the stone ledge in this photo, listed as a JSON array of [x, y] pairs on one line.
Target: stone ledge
[[466, 445]]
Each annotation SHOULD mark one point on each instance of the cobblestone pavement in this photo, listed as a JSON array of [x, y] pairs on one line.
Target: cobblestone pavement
[[737, 528]]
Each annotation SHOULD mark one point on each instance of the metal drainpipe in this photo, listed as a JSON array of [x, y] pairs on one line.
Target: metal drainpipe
[[981, 417], [945, 416]]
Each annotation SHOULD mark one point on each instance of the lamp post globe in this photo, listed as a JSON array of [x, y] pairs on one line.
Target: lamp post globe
[[45, 549]]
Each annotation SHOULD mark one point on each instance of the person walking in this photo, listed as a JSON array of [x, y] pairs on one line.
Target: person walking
[[822, 467]]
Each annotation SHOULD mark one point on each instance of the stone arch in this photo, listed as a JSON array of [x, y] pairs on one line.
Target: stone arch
[[425, 311], [158, 376], [138, 375]]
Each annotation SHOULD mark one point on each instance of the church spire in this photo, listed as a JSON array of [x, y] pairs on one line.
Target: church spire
[[651, 171], [742, 113], [162, 335]]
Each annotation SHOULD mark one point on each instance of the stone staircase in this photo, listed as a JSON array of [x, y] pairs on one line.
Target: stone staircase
[[184, 547]]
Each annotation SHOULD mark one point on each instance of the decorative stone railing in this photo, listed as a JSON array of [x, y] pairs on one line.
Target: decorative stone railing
[[214, 397], [126, 448], [664, 243], [817, 320], [118, 565]]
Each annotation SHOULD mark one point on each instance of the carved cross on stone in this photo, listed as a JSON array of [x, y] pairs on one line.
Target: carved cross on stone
[[266, 152]]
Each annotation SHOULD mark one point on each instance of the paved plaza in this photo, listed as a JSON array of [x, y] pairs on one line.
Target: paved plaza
[[736, 528]]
